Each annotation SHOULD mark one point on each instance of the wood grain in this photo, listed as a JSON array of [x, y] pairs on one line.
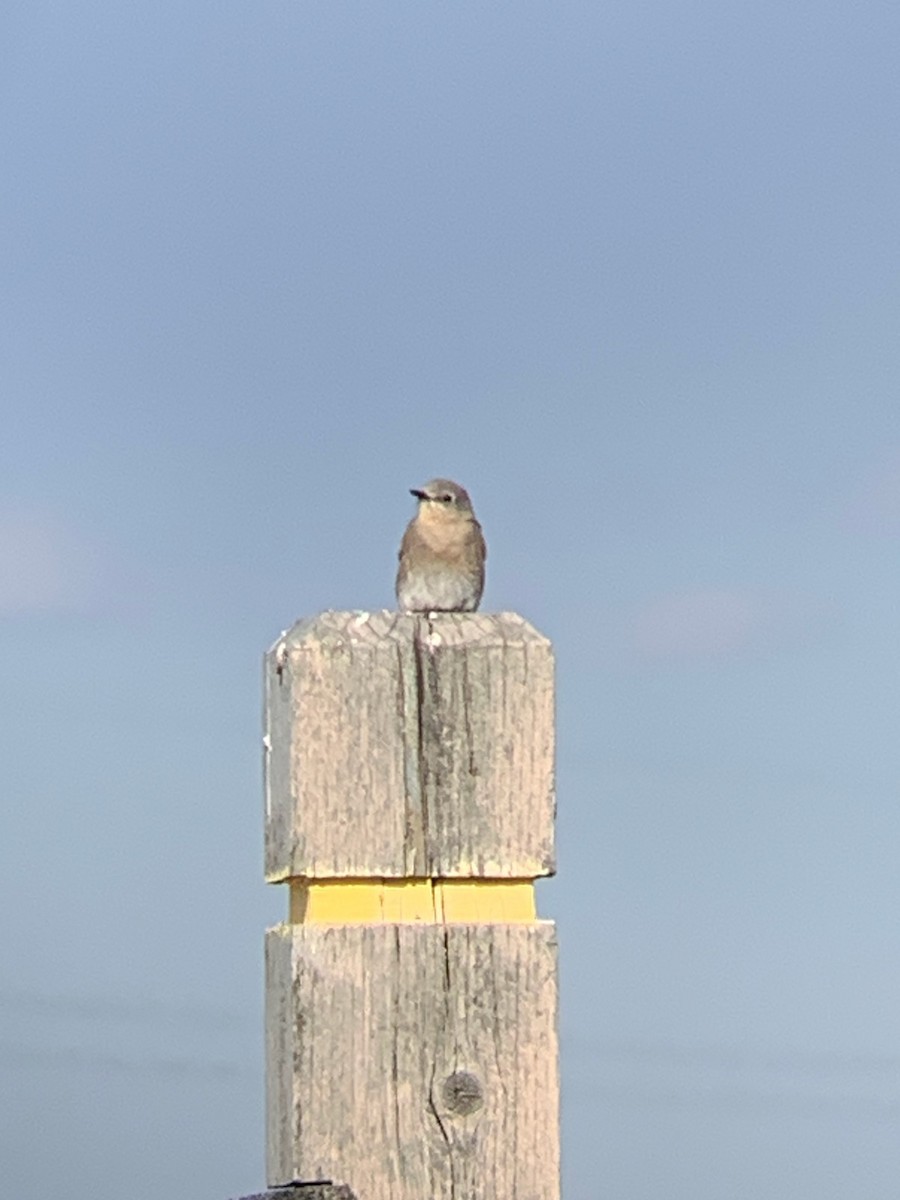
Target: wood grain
[[414, 1062], [409, 746]]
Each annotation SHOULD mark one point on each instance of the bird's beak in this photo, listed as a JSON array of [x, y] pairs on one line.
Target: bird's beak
[[418, 493]]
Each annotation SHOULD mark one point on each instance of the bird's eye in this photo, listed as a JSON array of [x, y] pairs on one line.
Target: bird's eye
[[446, 498]]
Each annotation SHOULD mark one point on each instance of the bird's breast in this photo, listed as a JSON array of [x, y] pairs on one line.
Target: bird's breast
[[448, 540]]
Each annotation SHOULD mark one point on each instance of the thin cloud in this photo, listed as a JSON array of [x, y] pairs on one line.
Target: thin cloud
[[44, 566], [691, 624], [714, 623], [874, 506], [737, 1057], [105, 1009], [72, 1058], [774, 1103], [865, 1085]]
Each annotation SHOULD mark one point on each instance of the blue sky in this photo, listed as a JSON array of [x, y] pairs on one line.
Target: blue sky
[[630, 273]]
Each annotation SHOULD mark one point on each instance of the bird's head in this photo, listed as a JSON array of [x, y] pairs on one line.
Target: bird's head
[[443, 500]]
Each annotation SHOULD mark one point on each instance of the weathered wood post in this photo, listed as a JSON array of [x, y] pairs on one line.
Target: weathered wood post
[[411, 996]]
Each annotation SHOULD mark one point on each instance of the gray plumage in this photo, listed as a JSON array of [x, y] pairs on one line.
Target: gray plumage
[[442, 553]]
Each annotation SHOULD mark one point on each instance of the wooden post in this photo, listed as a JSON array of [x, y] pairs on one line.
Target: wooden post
[[411, 996]]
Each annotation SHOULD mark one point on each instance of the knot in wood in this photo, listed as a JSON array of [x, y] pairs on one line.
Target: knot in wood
[[463, 1093]]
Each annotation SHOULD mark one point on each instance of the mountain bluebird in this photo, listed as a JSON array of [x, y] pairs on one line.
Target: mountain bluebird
[[442, 553]]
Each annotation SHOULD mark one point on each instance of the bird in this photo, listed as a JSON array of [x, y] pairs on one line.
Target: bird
[[442, 552]]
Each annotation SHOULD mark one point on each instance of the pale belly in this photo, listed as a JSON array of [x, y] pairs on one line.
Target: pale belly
[[439, 589]]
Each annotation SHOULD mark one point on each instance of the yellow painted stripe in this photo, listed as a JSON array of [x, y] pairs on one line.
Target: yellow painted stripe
[[442, 901]]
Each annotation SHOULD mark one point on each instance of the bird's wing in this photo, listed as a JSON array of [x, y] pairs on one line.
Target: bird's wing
[[410, 536], [479, 535]]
